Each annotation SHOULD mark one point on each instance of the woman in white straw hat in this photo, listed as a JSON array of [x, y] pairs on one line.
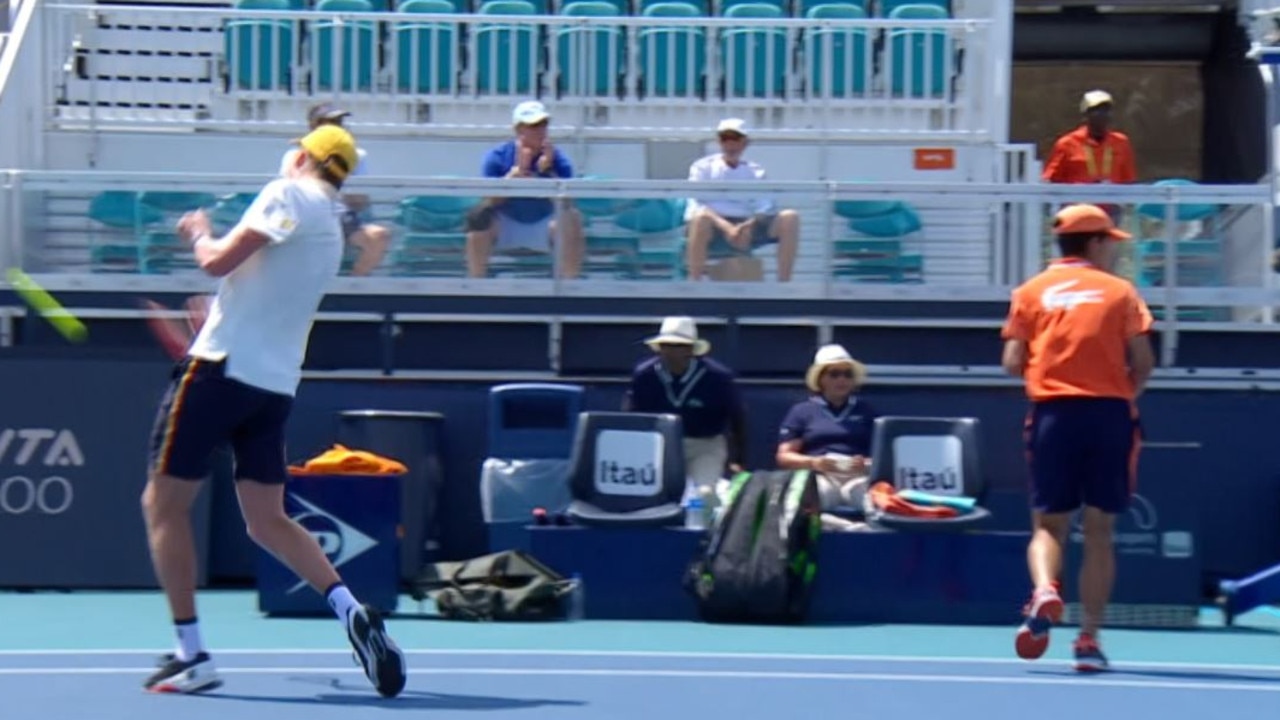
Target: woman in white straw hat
[[682, 380], [830, 432]]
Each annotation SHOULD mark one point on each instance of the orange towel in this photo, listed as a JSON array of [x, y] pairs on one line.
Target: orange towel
[[885, 497], [340, 460]]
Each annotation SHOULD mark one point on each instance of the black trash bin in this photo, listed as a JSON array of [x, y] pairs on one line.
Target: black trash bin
[[416, 440]]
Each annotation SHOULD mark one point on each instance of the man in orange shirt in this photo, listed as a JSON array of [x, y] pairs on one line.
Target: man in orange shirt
[[1093, 152], [1079, 337]]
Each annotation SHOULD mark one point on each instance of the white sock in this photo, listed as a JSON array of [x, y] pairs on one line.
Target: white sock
[[189, 644], [341, 600]]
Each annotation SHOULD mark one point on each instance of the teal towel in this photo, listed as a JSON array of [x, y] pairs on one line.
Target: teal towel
[[963, 504]]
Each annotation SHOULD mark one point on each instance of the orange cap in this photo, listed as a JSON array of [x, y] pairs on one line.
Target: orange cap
[[1087, 219]]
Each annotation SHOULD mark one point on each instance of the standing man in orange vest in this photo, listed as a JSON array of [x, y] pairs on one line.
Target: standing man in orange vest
[[1093, 152], [1079, 337]]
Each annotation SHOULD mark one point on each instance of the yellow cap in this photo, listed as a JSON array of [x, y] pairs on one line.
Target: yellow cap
[[332, 142]]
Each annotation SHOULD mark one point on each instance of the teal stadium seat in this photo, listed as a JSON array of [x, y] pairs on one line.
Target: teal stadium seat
[[839, 58], [506, 58], [590, 60], [161, 250], [885, 8], [1199, 260], [755, 58], [659, 228], [355, 39], [126, 219], [433, 242], [876, 252], [701, 7], [673, 59], [260, 53], [804, 7], [426, 51], [728, 5], [919, 57]]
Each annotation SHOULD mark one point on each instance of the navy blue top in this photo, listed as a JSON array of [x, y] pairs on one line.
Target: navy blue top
[[499, 161], [705, 396], [822, 429]]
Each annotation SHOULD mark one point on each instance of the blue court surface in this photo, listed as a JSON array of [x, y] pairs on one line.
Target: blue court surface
[[84, 655]]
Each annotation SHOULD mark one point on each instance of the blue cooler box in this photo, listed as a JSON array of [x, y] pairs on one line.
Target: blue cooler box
[[355, 518]]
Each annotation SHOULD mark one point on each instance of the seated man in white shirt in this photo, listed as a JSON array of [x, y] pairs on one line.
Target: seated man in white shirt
[[742, 225]]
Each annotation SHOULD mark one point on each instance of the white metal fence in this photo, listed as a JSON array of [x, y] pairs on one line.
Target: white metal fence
[[906, 77], [1200, 254]]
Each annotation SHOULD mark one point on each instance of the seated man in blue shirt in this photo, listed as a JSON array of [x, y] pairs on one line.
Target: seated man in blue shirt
[[682, 381], [525, 225], [830, 433]]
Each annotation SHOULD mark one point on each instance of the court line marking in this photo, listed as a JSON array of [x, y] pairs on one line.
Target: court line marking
[[659, 654], [722, 674]]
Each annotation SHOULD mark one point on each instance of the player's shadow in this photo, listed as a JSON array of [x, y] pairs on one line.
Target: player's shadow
[[1188, 675], [363, 696]]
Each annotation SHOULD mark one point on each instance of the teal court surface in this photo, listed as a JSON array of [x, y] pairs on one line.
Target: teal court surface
[[67, 656]]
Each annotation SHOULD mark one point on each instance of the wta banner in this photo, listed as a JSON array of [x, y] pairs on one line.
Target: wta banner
[[73, 461]]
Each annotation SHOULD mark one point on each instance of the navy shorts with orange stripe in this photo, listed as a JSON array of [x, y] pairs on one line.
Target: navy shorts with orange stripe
[[203, 411], [1082, 451]]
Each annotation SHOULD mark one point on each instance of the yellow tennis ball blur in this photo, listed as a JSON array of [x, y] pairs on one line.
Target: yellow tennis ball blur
[[68, 325]]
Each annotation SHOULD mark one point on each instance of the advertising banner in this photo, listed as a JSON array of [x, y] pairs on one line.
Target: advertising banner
[[73, 454]]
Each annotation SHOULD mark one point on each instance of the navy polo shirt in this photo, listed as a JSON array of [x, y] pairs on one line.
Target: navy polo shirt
[[705, 395], [499, 161], [822, 429]]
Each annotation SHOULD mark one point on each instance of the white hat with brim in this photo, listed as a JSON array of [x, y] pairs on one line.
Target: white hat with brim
[[679, 331], [829, 356]]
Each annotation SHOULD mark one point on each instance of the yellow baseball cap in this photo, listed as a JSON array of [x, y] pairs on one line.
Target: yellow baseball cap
[[332, 142], [1087, 219]]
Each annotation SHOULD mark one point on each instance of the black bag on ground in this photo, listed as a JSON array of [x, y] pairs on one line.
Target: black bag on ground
[[758, 560], [508, 585]]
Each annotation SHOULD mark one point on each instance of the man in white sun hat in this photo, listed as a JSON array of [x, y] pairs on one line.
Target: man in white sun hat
[[736, 224], [682, 380]]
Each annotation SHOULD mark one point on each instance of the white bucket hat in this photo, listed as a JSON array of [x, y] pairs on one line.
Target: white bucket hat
[[827, 356], [679, 331]]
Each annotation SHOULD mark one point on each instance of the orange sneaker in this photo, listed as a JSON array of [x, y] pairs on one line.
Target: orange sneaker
[[1042, 612]]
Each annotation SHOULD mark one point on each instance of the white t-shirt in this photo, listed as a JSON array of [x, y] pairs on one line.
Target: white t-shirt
[[261, 318], [714, 168]]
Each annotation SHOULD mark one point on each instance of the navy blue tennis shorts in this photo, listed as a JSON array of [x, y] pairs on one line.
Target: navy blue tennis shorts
[[203, 411], [1082, 451]]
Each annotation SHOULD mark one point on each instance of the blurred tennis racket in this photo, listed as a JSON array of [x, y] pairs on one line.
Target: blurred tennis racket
[[174, 334]]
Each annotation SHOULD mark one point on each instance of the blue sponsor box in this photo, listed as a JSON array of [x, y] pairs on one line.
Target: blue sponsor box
[[355, 518]]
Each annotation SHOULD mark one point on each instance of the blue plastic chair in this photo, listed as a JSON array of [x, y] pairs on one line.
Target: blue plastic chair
[[358, 58], [506, 56], [591, 60], [755, 58], [918, 53], [673, 59], [533, 420], [260, 53], [426, 51], [838, 57]]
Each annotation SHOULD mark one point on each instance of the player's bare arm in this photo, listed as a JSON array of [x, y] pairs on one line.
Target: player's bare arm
[[219, 256]]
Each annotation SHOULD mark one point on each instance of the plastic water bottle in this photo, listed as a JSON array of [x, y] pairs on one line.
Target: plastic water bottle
[[694, 516], [577, 599]]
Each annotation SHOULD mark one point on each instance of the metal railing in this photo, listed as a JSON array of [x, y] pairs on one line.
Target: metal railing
[[426, 73], [1203, 246]]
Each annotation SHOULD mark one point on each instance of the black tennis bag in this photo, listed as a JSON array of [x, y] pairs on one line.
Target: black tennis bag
[[758, 559], [509, 585]]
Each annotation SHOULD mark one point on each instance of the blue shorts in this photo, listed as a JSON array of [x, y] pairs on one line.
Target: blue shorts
[[1082, 451], [204, 411]]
